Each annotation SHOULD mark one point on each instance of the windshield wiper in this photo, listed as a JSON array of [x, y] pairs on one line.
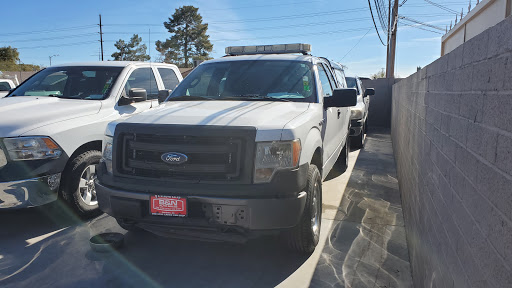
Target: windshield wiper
[[254, 97], [189, 98]]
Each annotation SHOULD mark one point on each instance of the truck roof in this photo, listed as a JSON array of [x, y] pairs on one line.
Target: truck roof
[[288, 57], [108, 63]]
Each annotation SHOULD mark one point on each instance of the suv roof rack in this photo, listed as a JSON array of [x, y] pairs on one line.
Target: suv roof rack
[[303, 48]]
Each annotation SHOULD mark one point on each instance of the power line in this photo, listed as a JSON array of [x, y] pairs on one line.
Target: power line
[[59, 45], [355, 45], [420, 23], [49, 30], [421, 28], [55, 38], [442, 7], [373, 19]]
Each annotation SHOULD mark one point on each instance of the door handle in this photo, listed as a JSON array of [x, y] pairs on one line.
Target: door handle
[[339, 113]]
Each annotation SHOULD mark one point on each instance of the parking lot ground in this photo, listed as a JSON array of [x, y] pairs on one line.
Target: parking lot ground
[[362, 243]]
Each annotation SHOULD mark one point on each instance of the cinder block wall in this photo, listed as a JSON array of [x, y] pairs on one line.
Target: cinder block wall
[[379, 114], [452, 138]]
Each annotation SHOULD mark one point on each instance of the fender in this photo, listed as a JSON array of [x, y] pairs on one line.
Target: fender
[[312, 142]]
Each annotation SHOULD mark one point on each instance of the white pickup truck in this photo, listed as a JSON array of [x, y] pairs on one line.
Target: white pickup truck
[[241, 147], [6, 85], [52, 127]]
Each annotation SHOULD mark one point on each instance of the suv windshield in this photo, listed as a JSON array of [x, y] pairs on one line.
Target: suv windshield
[[90, 83], [252, 80]]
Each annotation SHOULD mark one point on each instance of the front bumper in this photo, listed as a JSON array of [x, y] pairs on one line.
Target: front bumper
[[29, 192], [206, 212]]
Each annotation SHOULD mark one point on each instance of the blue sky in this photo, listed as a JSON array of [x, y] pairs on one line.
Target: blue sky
[[69, 28]]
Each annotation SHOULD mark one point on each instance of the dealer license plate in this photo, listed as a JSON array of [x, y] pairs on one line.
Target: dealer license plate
[[168, 206]]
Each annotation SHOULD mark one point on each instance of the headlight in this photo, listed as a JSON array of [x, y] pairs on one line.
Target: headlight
[[32, 148], [107, 153], [273, 156]]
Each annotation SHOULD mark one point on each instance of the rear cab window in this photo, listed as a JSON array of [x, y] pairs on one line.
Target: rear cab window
[[169, 78]]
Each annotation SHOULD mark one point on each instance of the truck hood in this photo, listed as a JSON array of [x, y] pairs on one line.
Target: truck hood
[[21, 114], [259, 114]]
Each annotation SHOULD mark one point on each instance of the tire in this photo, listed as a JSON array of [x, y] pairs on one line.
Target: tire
[[128, 227], [78, 187], [366, 126], [342, 162], [358, 141], [304, 237]]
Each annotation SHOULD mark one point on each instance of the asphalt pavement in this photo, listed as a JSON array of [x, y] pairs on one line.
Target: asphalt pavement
[[362, 243]]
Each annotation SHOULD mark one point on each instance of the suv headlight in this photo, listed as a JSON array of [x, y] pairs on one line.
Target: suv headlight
[[107, 153], [273, 156], [31, 148]]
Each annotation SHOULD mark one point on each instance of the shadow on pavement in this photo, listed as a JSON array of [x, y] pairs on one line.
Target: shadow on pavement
[[367, 245]]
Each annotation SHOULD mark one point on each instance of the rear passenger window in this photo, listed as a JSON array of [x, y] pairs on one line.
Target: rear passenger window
[[143, 78], [339, 75], [169, 78], [324, 81]]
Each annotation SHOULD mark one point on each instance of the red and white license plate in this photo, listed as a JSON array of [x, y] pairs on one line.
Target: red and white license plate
[[168, 206]]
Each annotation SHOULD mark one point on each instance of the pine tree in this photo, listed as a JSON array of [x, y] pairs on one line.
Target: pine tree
[[189, 39], [131, 51]]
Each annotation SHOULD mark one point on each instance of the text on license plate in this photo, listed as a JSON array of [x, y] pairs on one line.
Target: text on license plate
[[168, 206]]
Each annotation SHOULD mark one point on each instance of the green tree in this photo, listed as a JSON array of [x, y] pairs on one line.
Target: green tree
[[189, 39], [9, 57], [131, 51], [9, 54]]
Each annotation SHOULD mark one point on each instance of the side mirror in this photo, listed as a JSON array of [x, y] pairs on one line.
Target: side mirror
[[163, 94], [341, 98], [138, 94], [369, 92]]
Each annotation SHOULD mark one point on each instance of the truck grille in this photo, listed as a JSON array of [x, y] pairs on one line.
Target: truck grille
[[211, 157]]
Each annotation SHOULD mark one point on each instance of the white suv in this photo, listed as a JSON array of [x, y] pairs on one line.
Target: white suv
[[52, 126], [359, 113], [241, 147]]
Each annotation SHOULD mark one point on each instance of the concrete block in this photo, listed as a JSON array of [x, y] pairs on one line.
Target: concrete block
[[471, 106], [495, 187], [459, 129], [477, 205], [504, 154], [507, 74], [499, 40], [472, 269], [449, 148], [445, 123], [497, 109], [476, 49], [466, 162], [482, 141], [500, 235], [455, 58]]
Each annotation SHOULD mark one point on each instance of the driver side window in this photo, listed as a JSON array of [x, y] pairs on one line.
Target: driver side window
[[324, 81], [143, 78]]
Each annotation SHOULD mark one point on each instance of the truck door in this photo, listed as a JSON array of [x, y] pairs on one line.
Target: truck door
[[139, 78], [332, 131]]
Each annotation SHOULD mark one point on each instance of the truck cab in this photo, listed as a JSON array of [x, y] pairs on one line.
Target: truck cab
[[240, 147], [52, 127]]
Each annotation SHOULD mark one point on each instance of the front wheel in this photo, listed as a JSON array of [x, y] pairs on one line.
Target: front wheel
[[304, 237], [78, 187]]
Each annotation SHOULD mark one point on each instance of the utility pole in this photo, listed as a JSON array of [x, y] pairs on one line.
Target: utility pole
[[52, 57], [101, 39], [390, 68]]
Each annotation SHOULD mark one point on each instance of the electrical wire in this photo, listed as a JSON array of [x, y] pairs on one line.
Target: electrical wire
[[421, 28], [356, 44], [59, 45], [55, 38], [420, 23], [374, 24], [50, 30], [442, 7]]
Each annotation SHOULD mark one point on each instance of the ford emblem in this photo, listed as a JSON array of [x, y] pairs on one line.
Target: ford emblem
[[174, 158]]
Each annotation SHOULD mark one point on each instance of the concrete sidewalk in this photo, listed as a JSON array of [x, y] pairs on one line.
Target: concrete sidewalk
[[367, 245]]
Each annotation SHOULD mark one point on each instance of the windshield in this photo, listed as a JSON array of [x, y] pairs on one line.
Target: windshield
[[89, 83], [272, 80]]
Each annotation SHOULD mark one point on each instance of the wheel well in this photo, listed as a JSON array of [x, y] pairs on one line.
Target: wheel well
[[93, 145], [317, 159]]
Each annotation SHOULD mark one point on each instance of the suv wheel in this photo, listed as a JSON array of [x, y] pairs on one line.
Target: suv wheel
[[358, 141], [304, 237], [342, 162], [78, 187]]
